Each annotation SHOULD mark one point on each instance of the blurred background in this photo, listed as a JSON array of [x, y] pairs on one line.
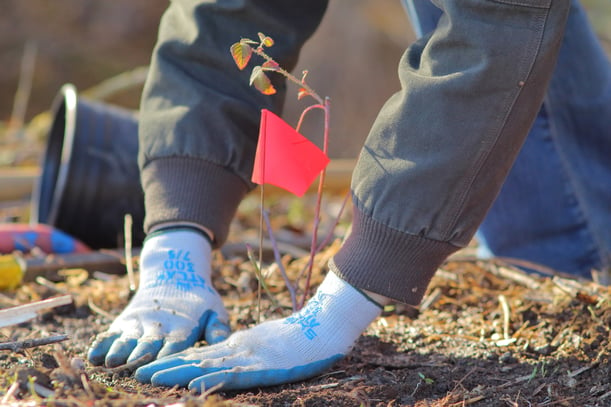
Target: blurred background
[[44, 44]]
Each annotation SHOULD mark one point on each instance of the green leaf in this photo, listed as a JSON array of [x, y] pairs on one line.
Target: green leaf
[[241, 53], [261, 82]]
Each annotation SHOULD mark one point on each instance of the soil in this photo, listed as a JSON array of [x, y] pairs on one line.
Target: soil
[[486, 334]]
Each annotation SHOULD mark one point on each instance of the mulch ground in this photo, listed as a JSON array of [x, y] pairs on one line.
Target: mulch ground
[[486, 334]]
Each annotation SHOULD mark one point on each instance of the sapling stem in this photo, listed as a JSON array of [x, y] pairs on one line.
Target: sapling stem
[[327, 238], [321, 182], [305, 111]]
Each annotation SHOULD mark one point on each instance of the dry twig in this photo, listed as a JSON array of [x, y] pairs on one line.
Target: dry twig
[[31, 343], [23, 313], [129, 263]]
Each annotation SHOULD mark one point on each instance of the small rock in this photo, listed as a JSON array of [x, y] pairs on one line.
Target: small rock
[[507, 358]]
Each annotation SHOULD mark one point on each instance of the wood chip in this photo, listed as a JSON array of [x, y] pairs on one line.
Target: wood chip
[[23, 313]]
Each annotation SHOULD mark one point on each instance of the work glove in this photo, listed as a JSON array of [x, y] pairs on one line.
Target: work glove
[[278, 351], [175, 304]]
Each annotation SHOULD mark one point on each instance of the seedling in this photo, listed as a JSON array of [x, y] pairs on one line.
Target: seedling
[[242, 53], [425, 379]]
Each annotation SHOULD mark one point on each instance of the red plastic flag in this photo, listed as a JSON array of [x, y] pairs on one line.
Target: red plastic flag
[[284, 157]]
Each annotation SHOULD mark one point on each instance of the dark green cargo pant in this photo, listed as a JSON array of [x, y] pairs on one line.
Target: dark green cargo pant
[[434, 159]]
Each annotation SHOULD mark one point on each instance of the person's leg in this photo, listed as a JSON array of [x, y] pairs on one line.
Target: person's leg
[[441, 148], [431, 166], [198, 129], [423, 15], [549, 210], [555, 207]]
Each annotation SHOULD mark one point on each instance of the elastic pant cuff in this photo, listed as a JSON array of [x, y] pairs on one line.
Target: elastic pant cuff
[[388, 262], [184, 189]]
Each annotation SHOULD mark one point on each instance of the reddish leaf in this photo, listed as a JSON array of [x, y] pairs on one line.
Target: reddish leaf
[[265, 40], [241, 53], [261, 82], [270, 65]]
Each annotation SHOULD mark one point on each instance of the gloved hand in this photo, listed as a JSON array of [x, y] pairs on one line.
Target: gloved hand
[[274, 352], [175, 304]]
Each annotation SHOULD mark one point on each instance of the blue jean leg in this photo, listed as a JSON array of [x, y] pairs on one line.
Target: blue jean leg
[[555, 205]]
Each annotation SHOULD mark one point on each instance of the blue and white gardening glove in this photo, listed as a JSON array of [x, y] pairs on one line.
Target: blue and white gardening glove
[[274, 352], [175, 304]]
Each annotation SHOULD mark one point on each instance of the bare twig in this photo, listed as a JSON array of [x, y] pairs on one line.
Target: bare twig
[[506, 314], [606, 395], [331, 232], [517, 276], [528, 264], [262, 284], [121, 82], [50, 285], [211, 390], [129, 263], [10, 393], [583, 369], [508, 268], [468, 401], [24, 86], [31, 343], [238, 249], [98, 310], [329, 236], [430, 299], [288, 283], [86, 385], [516, 381], [23, 313], [567, 286]]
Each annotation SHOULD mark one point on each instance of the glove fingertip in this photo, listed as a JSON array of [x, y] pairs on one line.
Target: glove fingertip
[[216, 330], [177, 375], [119, 352], [100, 347], [146, 351], [144, 373], [96, 357]]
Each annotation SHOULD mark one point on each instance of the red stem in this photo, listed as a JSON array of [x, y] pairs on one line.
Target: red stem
[[321, 181], [306, 110]]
